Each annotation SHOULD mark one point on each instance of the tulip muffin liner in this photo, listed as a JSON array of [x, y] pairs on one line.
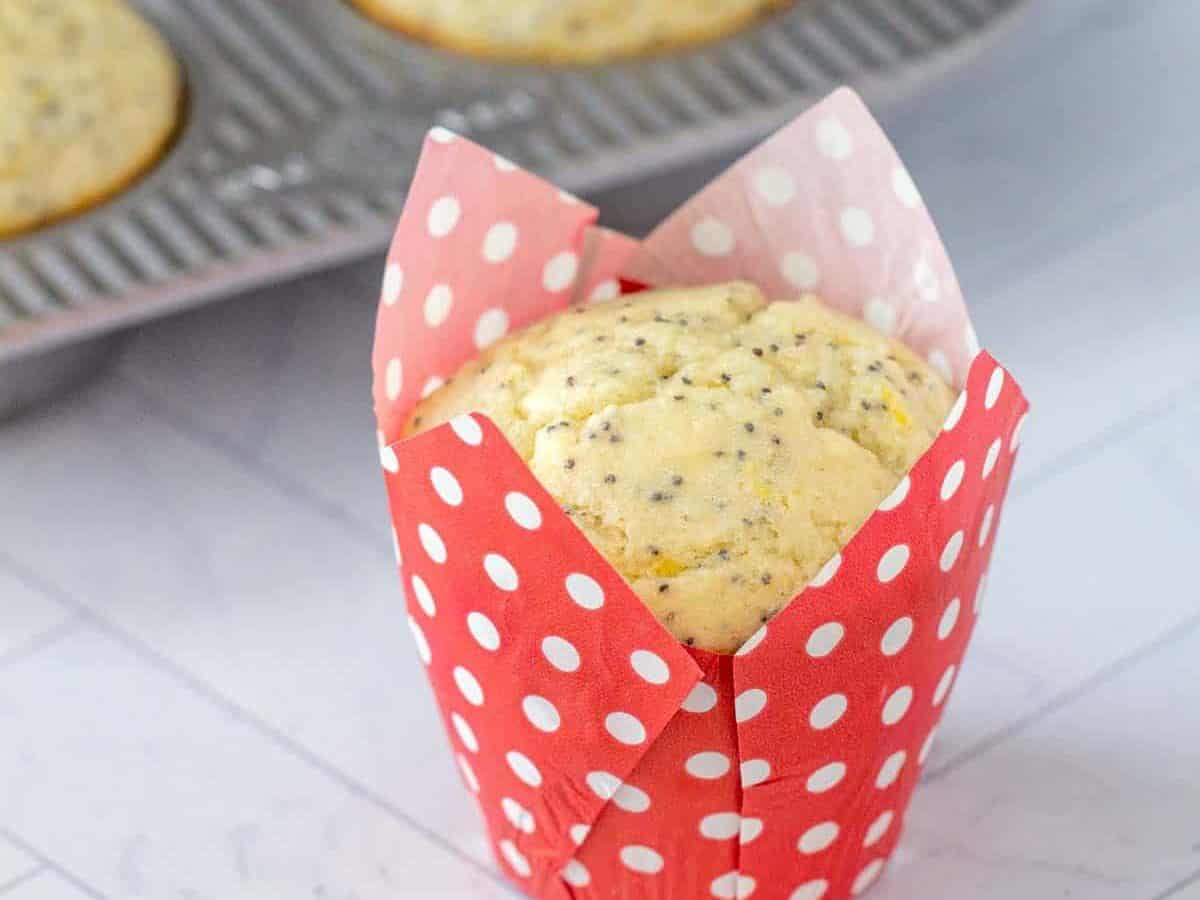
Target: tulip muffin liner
[[609, 760]]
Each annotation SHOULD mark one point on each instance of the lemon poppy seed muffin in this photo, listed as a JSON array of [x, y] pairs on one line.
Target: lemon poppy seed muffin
[[565, 31], [89, 97], [716, 448]]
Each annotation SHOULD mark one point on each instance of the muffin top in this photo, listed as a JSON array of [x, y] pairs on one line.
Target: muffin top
[[89, 95], [716, 448], [565, 30]]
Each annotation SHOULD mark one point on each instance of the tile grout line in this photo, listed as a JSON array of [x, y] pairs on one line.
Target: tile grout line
[[49, 865], [1178, 886], [211, 695], [1065, 698], [41, 640], [36, 870]]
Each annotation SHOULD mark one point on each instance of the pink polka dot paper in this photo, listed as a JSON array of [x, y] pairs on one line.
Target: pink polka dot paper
[[607, 759]]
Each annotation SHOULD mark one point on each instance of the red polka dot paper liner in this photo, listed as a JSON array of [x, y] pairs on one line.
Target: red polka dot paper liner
[[608, 760]]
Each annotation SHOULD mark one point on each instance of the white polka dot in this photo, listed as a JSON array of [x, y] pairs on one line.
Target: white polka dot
[[896, 707], [522, 766], [926, 746], [579, 833], [818, 838], [858, 228], [396, 548], [866, 877], [712, 237], [468, 774], [800, 270], [810, 890], [418, 637], [641, 859], [941, 365], [833, 139], [827, 571], [701, 699], [950, 551], [949, 619], [500, 242], [605, 290], [877, 829], [956, 412], [892, 563], [560, 653], [468, 686], [708, 765], [467, 429], [631, 799], [443, 216], [994, 386], [503, 164], [603, 784], [393, 284], [824, 639], [569, 199], [650, 666], [926, 282], [437, 304], [890, 770], [775, 186], [518, 816], [1016, 435], [576, 874], [491, 325], [465, 732], [446, 485], [523, 511], [483, 631], [387, 459], [559, 272], [826, 778], [943, 686], [751, 829], [954, 477], [441, 135], [754, 771], [585, 591], [827, 711], [906, 190], [971, 341], [625, 728], [896, 637], [880, 315], [432, 542], [721, 826], [541, 713], [985, 527], [393, 378], [500, 571], [749, 704], [423, 596], [753, 641], [515, 858], [993, 454], [732, 886], [896, 497], [431, 385]]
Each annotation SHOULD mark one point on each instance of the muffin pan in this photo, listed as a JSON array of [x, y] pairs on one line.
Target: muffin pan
[[302, 128]]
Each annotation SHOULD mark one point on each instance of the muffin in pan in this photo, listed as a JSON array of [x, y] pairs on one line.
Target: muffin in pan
[[566, 31], [90, 96], [716, 448]]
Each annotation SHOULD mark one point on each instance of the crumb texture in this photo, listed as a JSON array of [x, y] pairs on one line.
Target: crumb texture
[[566, 31], [89, 96], [716, 448]]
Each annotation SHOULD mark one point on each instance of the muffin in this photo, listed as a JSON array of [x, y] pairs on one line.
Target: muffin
[[716, 448], [565, 31], [90, 95]]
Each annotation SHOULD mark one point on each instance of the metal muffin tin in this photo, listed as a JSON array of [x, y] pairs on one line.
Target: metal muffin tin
[[304, 119]]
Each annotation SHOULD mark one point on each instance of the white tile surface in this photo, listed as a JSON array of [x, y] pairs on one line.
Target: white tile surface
[[15, 863], [46, 886], [144, 789], [25, 616]]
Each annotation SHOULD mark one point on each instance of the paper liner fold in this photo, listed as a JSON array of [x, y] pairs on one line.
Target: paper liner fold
[[608, 760]]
